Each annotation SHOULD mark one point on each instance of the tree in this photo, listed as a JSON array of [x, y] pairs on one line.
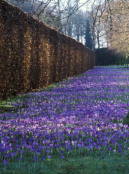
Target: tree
[[88, 37], [111, 24], [118, 33], [78, 25], [56, 13]]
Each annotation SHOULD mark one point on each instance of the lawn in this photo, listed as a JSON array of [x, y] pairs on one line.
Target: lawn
[[79, 125]]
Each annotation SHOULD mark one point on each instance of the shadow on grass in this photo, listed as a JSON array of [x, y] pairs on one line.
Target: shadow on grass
[[126, 119], [74, 164], [8, 104]]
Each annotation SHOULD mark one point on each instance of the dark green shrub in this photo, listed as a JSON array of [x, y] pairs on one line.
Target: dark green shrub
[[126, 119]]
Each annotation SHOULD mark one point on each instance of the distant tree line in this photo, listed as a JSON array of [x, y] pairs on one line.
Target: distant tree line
[[64, 16]]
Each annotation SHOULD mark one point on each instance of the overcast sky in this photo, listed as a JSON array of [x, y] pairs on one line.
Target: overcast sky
[[87, 5]]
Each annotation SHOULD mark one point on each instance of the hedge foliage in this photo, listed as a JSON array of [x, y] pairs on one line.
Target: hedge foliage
[[33, 55]]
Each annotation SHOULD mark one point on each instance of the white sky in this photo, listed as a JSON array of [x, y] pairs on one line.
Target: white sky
[[87, 6]]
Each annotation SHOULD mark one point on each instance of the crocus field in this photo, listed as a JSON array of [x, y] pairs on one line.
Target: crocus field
[[82, 115]]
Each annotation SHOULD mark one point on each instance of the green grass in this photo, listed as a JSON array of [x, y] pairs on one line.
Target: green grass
[[4, 107], [74, 164], [7, 105], [126, 119]]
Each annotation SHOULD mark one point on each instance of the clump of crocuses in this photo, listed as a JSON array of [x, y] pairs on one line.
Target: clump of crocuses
[[81, 113]]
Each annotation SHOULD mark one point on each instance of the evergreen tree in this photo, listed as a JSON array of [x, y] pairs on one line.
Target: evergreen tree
[[88, 36]]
